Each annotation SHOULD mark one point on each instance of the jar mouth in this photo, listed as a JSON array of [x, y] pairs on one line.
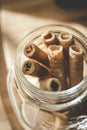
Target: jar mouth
[[30, 89]]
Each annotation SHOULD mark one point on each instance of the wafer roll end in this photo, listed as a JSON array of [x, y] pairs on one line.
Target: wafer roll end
[[29, 50], [49, 38], [65, 39], [50, 84]]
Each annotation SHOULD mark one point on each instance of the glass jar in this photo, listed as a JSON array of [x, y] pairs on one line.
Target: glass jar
[[39, 109]]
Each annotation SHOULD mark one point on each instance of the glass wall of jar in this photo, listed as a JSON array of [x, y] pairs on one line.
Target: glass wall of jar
[[39, 109]]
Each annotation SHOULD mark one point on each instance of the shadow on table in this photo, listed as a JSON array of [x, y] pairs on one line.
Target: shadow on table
[[48, 9]]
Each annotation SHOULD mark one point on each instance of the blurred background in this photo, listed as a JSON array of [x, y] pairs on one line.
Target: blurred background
[[19, 17]]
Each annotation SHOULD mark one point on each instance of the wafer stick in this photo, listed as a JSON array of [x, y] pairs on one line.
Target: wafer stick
[[76, 65], [34, 52], [66, 40], [50, 84], [34, 68], [57, 66], [49, 38]]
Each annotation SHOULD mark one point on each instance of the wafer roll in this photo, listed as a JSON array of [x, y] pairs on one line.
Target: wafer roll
[[49, 38], [57, 65], [66, 40], [50, 84], [34, 68], [34, 52], [76, 65]]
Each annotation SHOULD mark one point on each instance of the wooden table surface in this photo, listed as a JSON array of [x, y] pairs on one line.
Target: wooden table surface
[[17, 19]]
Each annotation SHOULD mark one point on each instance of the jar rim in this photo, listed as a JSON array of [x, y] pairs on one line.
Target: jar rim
[[43, 94]]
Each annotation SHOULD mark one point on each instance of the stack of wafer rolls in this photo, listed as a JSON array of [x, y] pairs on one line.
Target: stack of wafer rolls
[[63, 60]]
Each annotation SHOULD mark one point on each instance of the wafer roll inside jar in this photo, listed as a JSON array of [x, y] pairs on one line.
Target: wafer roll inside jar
[[75, 65], [66, 40], [49, 38], [57, 65], [34, 68], [50, 84]]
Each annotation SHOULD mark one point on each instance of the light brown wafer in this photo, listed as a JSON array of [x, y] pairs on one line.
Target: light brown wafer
[[76, 65], [65, 39], [50, 84], [49, 38], [34, 68], [57, 65], [34, 52]]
